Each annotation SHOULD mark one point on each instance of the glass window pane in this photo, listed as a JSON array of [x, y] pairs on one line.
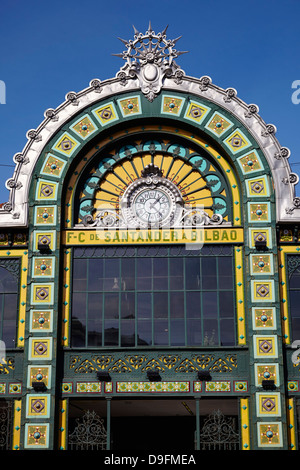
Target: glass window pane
[[194, 337], [8, 281], [209, 273], [177, 333], [161, 332], [144, 332], [10, 307], [295, 302], [226, 304], [193, 304], [295, 279], [95, 275], [160, 304], [176, 304], [210, 330], [128, 274], [144, 305], [127, 305], [176, 273], [227, 333], [225, 273], [127, 333], [192, 273], [79, 274], [111, 305], [111, 333], [95, 332], [78, 320], [160, 273], [210, 304], [144, 274], [112, 275]]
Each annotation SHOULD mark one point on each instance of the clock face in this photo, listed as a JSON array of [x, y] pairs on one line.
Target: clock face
[[152, 206]]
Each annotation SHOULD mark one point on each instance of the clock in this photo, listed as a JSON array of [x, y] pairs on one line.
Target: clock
[[152, 205], [151, 201]]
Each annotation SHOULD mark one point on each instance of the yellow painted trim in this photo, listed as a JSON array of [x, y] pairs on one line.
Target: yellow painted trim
[[159, 236], [17, 425], [219, 159], [20, 253], [66, 315], [291, 430], [283, 288], [240, 296], [62, 439], [245, 425]]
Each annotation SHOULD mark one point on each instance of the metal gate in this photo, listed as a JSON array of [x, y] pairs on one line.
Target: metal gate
[[5, 424], [219, 432], [89, 433]]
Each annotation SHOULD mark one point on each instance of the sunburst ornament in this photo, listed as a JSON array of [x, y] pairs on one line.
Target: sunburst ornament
[[150, 58]]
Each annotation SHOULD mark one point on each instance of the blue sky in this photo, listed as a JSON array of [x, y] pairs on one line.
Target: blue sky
[[50, 48]]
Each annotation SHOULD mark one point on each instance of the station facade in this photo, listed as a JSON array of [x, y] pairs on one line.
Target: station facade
[[150, 268]]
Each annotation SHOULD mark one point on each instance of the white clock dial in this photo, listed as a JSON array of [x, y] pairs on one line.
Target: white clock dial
[[152, 205]]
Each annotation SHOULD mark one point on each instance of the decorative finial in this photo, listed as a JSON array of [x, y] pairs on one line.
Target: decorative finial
[[150, 58]]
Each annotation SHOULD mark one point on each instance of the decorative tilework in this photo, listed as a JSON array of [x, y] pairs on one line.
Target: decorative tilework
[[40, 348], [158, 387], [237, 141], [250, 163], [197, 386], [218, 124], [88, 387], [257, 187], [2, 388], [259, 212], [84, 127], [46, 190], [67, 387], [264, 318], [44, 237], [220, 386], [171, 105], [286, 235], [45, 215], [245, 428], [15, 388], [293, 386], [265, 346], [262, 291], [43, 267], [37, 406], [39, 374], [66, 144], [53, 166], [130, 106], [269, 434], [42, 293], [266, 372], [196, 112], [41, 320], [261, 264], [240, 386], [36, 435], [260, 235], [106, 114], [268, 404]]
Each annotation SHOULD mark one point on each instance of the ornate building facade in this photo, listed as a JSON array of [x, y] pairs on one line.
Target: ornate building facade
[[150, 267]]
